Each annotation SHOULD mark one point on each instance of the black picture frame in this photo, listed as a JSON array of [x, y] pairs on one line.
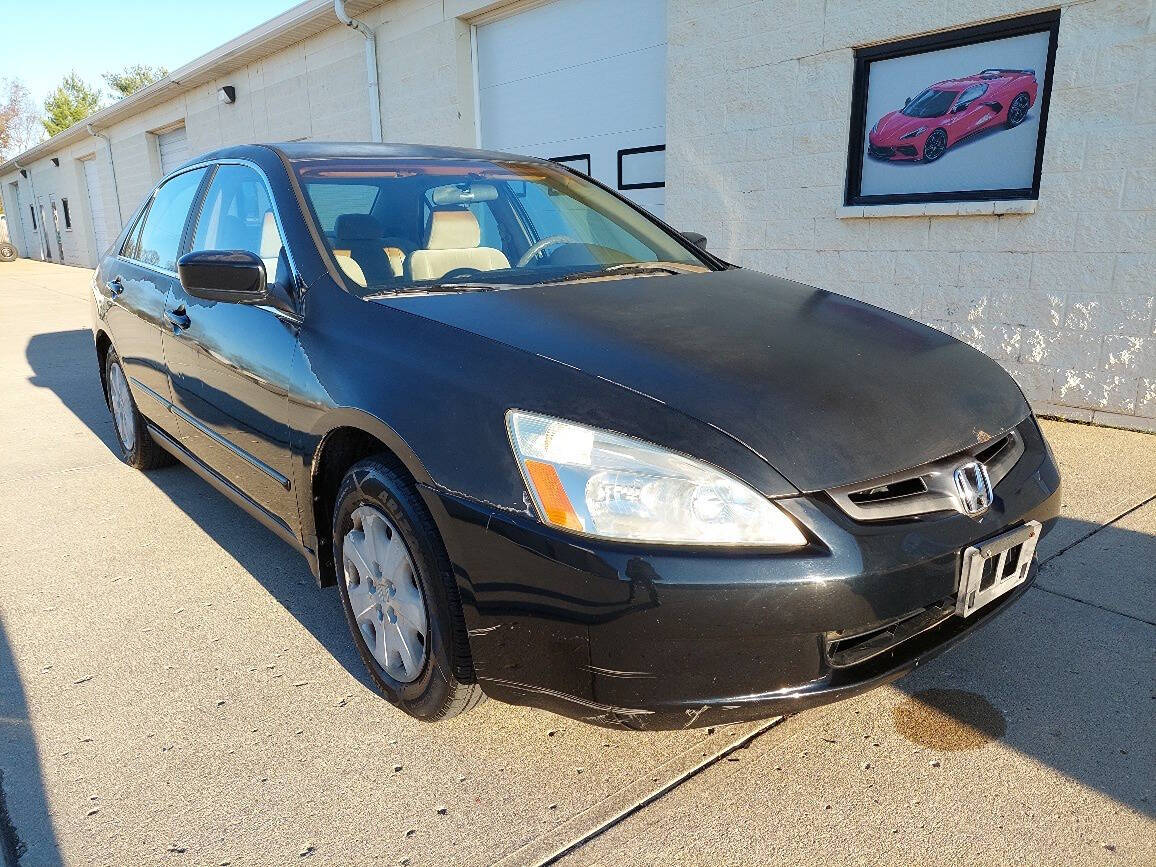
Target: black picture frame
[[1043, 22], [648, 185]]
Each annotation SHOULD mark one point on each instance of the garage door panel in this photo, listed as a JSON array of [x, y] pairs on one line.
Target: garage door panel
[[577, 77], [559, 35], [96, 207], [558, 104], [174, 149]]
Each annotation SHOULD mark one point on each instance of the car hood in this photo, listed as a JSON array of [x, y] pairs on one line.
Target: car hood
[[895, 124], [826, 389]]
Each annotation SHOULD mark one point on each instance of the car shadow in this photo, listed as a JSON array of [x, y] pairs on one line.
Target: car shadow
[[1070, 676], [64, 362], [26, 827], [1068, 668]]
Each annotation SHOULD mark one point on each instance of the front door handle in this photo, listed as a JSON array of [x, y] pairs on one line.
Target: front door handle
[[115, 286], [179, 318]]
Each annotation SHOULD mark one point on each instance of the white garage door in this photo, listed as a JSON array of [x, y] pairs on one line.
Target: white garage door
[[583, 82], [174, 148], [96, 206]]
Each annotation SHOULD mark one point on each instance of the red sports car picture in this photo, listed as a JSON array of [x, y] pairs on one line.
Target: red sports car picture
[[951, 110]]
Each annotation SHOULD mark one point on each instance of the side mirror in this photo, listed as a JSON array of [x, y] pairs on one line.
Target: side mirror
[[696, 239], [236, 276], [907, 102]]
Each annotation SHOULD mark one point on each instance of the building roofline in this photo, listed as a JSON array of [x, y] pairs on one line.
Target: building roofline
[[290, 27]]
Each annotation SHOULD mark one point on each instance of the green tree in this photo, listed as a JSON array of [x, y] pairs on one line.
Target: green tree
[[133, 78], [71, 102]]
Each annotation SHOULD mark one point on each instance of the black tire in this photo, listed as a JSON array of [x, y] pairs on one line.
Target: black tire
[[446, 685], [143, 452], [7, 252], [1016, 116], [937, 142]]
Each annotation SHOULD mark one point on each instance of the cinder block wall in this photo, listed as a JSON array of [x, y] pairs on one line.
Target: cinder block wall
[[758, 110]]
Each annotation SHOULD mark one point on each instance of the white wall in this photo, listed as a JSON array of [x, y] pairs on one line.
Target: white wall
[[757, 118], [758, 104]]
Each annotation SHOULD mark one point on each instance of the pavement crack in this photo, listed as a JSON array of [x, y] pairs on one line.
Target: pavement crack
[[740, 744], [1091, 533], [1044, 589]]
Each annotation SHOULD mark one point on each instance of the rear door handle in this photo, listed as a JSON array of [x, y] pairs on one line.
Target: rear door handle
[[115, 286], [178, 317]]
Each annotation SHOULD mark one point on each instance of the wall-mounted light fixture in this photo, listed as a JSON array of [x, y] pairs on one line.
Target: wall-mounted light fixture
[[56, 161], [227, 94], [24, 173]]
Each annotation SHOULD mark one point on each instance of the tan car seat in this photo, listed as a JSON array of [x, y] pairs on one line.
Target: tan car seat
[[454, 235]]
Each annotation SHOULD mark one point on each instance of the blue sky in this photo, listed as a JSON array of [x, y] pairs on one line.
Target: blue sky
[[43, 41]]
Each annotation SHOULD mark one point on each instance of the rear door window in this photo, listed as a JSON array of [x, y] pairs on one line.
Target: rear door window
[[164, 224]]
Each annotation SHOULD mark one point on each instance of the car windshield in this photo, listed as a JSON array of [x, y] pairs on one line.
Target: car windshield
[[930, 103], [402, 225]]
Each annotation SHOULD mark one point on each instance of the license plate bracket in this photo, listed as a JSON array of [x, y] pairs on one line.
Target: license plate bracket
[[994, 566]]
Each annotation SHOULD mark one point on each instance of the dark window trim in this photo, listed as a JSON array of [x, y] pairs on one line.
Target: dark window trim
[[32, 211], [1044, 22], [573, 158], [67, 215], [649, 185]]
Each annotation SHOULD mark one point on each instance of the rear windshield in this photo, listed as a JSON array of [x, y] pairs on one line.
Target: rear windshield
[[397, 225], [930, 103]]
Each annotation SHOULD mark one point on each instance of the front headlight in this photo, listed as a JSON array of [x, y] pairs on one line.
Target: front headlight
[[914, 133], [615, 487]]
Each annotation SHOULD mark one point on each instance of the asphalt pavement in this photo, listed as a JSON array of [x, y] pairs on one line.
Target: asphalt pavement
[[174, 689]]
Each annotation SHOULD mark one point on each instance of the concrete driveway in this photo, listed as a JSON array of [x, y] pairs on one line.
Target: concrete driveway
[[174, 689]]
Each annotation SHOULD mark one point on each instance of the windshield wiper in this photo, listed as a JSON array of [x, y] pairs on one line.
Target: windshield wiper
[[450, 286], [630, 267]]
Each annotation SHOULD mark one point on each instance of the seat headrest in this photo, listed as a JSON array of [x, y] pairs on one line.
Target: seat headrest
[[453, 229], [357, 227]]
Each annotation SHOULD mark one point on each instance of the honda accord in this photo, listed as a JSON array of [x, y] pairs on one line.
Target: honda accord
[[551, 450]]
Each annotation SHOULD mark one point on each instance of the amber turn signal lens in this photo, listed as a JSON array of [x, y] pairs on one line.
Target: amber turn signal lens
[[552, 495]]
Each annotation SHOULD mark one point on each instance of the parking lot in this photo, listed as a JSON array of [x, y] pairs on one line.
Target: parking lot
[[174, 688]]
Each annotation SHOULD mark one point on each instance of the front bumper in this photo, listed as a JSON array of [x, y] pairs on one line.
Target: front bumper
[[658, 638], [903, 151]]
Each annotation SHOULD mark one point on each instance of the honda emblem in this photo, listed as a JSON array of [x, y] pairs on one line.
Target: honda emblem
[[973, 488]]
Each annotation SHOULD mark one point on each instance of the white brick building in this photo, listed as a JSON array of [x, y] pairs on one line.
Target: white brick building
[[752, 101]]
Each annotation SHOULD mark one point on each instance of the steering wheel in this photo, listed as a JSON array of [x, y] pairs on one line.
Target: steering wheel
[[460, 273], [542, 245]]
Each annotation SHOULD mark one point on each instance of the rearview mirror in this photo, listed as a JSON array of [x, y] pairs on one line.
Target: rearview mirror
[[696, 239], [236, 276]]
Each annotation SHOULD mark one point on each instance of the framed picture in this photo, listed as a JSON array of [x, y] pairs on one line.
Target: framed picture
[[957, 116]]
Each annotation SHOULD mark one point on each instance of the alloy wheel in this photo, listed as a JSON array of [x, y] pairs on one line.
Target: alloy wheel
[[935, 145], [122, 409], [1018, 109], [385, 595]]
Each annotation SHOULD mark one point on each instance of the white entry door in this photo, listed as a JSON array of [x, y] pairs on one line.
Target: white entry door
[[174, 148], [96, 208], [582, 82]]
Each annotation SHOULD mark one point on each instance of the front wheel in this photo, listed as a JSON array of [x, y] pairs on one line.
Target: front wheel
[[399, 595], [137, 447], [935, 145]]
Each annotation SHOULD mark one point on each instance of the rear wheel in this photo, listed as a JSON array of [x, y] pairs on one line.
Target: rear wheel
[[399, 594], [7, 252], [1018, 110], [935, 145], [137, 447]]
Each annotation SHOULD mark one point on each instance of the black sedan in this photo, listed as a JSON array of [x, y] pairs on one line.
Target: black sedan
[[551, 450]]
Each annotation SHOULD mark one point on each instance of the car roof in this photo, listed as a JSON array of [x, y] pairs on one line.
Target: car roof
[[300, 151]]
